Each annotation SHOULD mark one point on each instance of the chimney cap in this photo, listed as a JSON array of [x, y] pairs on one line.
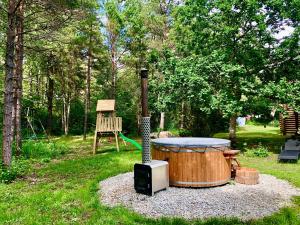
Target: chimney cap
[[144, 73]]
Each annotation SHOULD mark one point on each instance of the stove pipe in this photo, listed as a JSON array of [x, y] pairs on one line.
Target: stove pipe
[[145, 125]]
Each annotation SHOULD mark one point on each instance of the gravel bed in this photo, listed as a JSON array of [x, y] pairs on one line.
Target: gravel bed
[[231, 200]]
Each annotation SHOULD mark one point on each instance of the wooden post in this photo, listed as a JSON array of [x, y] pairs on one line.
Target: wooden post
[[117, 141], [296, 122], [95, 142]]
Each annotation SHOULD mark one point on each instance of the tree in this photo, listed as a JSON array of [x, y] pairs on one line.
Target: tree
[[233, 36], [162, 24], [113, 31], [90, 40], [19, 75], [8, 84]]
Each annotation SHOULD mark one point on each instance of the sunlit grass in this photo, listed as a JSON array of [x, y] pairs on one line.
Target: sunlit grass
[[251, 135]]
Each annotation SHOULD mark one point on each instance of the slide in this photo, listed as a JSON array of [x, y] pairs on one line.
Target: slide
[[133, 142]]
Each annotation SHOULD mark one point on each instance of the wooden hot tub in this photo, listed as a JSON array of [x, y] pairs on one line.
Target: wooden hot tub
[[194, 162]]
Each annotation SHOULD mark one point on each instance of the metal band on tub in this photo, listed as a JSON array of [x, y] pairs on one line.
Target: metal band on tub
[[183, 149], [200, 183]]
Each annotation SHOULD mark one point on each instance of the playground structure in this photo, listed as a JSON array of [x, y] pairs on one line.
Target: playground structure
[[107, 123]]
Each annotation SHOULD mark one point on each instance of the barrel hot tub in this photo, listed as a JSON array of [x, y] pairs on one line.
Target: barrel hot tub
[[194, 162]]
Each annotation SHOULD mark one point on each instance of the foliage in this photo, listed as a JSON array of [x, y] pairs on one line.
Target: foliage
[[259, 151], [207, 60], [263, 122], [43, 150], [18, 168], [184, 133]]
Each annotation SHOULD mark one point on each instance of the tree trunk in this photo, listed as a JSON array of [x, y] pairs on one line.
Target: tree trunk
[[162, 121], [30, 84], [232, 131], [19, 76], [66, 115], [37, 84], [50, 94], [273, 112], [87, 91], [182, 115], [8, 86], [113, 69], [63, 112]]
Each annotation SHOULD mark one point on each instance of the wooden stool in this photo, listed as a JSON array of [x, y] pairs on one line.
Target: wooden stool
[[248, 176], [230, 156]]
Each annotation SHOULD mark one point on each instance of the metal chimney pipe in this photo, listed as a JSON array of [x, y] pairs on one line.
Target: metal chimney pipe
[[146, 157]]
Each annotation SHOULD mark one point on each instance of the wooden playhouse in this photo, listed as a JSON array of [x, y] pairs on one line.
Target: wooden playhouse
[[106, 123]]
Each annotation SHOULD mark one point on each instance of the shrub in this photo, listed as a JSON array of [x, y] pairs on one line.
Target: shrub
[[42, 150], [185, 133], [260, 151], [274, 123], [18, 168]]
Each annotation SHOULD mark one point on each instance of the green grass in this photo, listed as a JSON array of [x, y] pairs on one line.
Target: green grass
[[64, 191], [251, 135]]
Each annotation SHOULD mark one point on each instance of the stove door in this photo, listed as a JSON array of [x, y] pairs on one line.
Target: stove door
[[143, 179]]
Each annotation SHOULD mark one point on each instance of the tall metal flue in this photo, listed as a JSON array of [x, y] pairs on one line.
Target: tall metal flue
[[145, 125]]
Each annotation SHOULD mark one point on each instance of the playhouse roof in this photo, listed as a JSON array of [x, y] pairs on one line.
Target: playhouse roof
[[106, 105]]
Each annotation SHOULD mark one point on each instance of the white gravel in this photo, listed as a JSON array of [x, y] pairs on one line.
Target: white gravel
[[232, 200]]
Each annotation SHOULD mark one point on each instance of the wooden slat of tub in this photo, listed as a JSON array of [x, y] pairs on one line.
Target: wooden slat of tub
[[200, 165], [174, 163], [205, 160], [182, 167], [220, 166], [188, 172], [209, 175], [212, 174], [194, 166], [153, 153], [179, 168], [186, 175]]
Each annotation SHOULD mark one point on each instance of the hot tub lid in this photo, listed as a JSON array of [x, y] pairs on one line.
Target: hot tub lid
[[191, 142]]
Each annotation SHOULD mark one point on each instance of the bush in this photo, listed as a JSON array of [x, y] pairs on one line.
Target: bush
[[42, 150], [260, 151], [274, 123], [185, 133], [257, 122], [19, 167]]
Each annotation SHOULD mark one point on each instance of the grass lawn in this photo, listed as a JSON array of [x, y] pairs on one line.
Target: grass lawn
[[251, 135], [64, 191]]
